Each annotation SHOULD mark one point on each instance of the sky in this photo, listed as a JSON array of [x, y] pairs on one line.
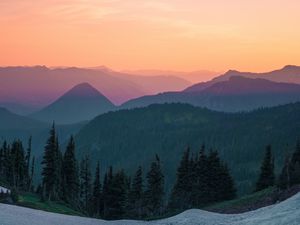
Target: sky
[[181, 35]]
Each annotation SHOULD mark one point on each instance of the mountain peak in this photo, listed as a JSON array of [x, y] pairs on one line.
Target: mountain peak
[[83, 89], [291, 67]]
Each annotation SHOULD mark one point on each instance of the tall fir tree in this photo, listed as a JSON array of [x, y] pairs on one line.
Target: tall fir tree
[[155, 189], [97, 195], [290, 174], [50, 171], [70, 174], [284, 181], [295, 165], [118, 196], [267, 176], [182, 190], [227, 190], [136, 206], [200, 185], [27, 159], [85, 184]]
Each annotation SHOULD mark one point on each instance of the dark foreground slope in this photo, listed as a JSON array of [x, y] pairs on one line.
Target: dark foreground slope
[[130, 138]]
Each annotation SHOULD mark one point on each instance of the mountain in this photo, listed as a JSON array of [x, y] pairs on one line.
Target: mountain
[[82, 102], [194, 76], [38, 86], [11, 121], [232, 95], [283, 213], [288, 74], [126, 136]]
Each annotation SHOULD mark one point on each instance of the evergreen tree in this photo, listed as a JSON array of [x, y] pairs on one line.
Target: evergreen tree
[[59, 172], [50, 173], [31, 187], [85, 184], [70, 174], [295, 165], [290, 174], [214, 176], [181, 194], [97, 195], [118, 196], [105, 194], [136, 195], [27, 159], [285, 175], [227, 190], [200, 185], [155, 189], [18, 165], [266, 177]]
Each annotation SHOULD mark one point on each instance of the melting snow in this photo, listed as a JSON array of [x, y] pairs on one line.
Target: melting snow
[[284, 213]]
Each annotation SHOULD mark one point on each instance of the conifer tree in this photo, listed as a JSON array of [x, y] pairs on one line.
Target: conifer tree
[[181, 194], [106, 194], [32, 168], [200, 185], [295, 165], [50, 174], [266, 177], [213, 176], [227, 190], [27, 159], [284, 181], [155, 189], [85, 184], [118, 196], [70, 174], [59, 172], [136, 195], [290, 174], [97, 195]]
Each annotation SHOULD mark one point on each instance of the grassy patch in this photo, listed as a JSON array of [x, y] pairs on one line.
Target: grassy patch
[[243, 201], [33, 201]]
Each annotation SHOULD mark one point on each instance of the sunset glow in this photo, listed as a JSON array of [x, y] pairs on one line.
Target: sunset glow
[[155, 34]]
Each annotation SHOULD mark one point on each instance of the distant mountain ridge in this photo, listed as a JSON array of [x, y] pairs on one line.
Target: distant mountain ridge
[[288, 74], [40, 85], [235, 94], [82, 102]]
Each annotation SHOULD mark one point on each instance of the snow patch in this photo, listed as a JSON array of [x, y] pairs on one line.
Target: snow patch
[[284, 213]]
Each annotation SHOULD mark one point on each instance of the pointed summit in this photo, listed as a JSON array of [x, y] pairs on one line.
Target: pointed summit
[[80, 103], [83, 89], [291, 67]]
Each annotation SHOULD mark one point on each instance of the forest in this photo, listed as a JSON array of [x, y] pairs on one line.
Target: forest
[[201, 179]]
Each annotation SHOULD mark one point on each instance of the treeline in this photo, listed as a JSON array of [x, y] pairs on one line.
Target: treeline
[[201, 179], [290, 173], [63, 178], [16, 165]]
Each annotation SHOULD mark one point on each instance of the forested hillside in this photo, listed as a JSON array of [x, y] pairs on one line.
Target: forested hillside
[[120, 138]]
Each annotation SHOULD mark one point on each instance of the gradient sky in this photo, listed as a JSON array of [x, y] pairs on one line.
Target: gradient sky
[[186, 35]]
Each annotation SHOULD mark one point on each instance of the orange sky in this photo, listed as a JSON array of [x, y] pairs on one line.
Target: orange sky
[[185, 35]]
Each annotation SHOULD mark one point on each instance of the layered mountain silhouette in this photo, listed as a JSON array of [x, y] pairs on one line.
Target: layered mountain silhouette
[[11, 121], [288, 74], [39, 86], [235, 94], [82, 102]]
